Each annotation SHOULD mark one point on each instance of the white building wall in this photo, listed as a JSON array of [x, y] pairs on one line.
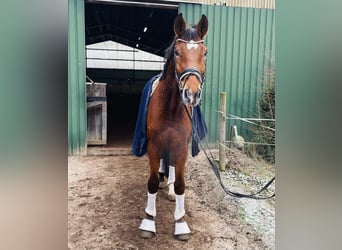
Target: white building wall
[[113, 55]]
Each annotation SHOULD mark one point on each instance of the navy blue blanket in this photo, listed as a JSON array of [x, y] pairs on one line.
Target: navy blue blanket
[[139, 147]]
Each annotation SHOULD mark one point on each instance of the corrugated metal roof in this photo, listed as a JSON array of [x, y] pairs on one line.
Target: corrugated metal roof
[[262, 4], [151, 28], [113, 55]]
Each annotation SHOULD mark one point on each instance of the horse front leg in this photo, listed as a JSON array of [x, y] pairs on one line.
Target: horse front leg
[[147, 226], [182, 230]]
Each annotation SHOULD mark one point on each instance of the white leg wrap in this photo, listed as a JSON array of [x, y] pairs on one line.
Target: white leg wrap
[[161, 166], [179, 211], [172, 177], [171, 189], [148, 225], [151, 204], [182, 228]]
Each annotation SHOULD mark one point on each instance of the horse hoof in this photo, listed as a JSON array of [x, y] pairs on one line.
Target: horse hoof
[[162, 184], [146, 234], [182, 237], [171, 197]]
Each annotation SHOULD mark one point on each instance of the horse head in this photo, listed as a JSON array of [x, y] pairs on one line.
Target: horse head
[[190, 58]]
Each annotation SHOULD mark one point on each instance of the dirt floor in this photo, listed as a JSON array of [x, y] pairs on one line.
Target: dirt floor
[[107, 196]]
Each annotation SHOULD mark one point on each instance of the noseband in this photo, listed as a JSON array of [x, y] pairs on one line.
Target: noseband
[[189, 71]]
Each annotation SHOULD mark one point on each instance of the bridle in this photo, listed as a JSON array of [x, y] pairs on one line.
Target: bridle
[[188, 71]]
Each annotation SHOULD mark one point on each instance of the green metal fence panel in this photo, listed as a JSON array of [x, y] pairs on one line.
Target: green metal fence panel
[[241, 49], [76, 79]]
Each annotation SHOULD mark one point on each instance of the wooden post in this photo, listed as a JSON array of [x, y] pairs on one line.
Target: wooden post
[[222, 129]]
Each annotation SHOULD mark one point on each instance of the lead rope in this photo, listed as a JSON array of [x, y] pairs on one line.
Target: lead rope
[[217, 172]]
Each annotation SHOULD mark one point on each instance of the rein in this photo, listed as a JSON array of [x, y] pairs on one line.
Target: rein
[[216, 170]]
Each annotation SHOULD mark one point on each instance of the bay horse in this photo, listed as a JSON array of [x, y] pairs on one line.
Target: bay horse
[[169, 120]]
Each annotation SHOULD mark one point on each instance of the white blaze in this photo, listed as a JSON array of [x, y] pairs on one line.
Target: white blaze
[[191, 45]]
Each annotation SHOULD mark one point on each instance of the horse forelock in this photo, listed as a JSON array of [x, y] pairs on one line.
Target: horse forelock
[[190, 33]]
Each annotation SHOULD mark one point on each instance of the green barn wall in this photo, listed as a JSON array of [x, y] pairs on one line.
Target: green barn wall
[[240, 45], [77, 122]]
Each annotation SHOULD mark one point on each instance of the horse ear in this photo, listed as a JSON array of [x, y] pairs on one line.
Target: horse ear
[[202, 27], [179, 25]]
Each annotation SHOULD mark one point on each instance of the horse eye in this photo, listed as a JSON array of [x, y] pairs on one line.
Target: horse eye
[[206, 53], [176, 52]]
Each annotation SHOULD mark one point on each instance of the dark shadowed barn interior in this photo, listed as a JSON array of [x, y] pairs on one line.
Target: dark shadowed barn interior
[[140, 27]]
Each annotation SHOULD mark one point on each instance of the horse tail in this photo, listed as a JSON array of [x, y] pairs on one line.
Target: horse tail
[[166, 161]]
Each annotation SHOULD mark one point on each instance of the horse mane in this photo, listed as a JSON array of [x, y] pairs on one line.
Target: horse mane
[[190, 33]]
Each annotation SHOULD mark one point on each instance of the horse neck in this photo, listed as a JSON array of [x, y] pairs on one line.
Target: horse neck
[[172, 106]]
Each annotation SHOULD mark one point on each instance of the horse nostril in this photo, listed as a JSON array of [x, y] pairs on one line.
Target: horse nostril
[[198, 94], [193, 98], [186, 92], [188, 97]]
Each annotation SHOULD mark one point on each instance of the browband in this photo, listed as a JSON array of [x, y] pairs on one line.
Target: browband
[[191, 41]]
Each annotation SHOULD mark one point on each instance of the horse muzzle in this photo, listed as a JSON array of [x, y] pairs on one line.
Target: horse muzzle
[[191, 98]]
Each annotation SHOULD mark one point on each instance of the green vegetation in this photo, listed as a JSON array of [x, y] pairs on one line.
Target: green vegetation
[[264, 133]]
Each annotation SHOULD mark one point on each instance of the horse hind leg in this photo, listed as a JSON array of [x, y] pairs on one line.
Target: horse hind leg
[[170, 182], [162, 171], [169, 171]]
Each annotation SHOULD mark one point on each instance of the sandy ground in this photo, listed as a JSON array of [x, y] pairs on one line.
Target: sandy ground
[[107, 196]]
